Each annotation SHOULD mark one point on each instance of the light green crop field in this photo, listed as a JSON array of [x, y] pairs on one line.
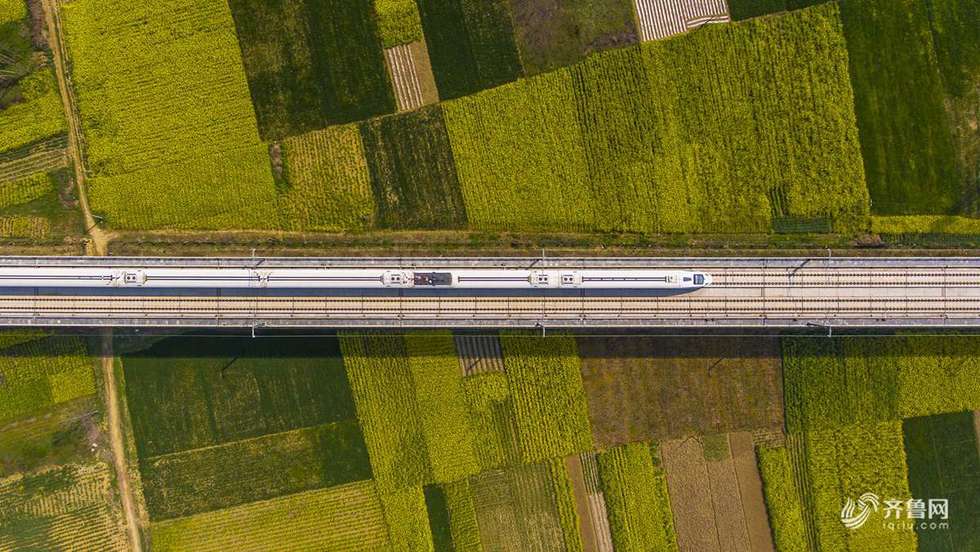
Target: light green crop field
[[170, 131], [348, 517]]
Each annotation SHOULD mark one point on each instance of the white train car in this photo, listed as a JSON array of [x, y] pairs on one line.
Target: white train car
[[353, 278]]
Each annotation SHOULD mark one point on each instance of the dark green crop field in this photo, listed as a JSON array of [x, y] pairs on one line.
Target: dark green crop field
[[944, 462], [187, 393], [471, 44], [413, 175], [311, 63]]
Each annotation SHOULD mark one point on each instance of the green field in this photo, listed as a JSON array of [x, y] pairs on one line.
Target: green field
[[517, 509], [520, 157], [348, 517], [413, 175], [306, 70], [381, 381], [329, 185], [637, 503], [398, 22], [835, 382], [651, 142], [783, 499], [37, 115], [406, 512], [471, 44], [944, 462], [164, 101], [193, 392], [43, 372], [278, 464], [549, 400], [60, 508], [411, 403], [848, 462], [463, 524]]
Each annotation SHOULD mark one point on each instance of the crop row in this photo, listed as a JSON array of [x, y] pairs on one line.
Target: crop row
[[61, 508], [24, 190], [549, 400], [347, 517], [207, 479], [408, 520], [164, 102], [398, 22], [40, 115], [43, 372], [637, 502], [832, 383], [849, 462], [782, 499]]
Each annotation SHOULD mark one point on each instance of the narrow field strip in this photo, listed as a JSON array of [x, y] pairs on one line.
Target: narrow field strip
[[405, 77], [660, 19]]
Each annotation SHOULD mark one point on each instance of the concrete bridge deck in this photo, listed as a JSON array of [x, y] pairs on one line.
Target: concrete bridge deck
[[763, 292]]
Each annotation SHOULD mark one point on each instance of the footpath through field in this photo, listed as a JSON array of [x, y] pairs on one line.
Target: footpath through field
[[98, 246]]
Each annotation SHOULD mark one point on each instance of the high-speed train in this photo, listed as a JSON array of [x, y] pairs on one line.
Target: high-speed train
[[350, 278]]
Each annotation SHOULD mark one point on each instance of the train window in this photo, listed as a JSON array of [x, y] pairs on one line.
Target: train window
[[699, 279]]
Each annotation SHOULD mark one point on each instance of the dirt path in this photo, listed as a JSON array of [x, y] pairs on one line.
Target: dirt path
[[118, 445], [98, 245], [99, 241]]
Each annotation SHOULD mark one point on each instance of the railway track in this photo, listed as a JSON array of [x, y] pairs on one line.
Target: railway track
[[745, 292]]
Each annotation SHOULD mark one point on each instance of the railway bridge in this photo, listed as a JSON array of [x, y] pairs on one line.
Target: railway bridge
[[747, 292]]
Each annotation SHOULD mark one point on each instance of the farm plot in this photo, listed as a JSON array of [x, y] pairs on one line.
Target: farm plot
[[832, 383], [164, 102], [516, 509], [412, 404], [492, 417], [908, 149], [384, 393], [441, 406], [61, 508], [408, 519], [637, 499], [206, 479], [42, 157], [471, 44], [329, 185], [783, 499], [847, 462], [411, 74], [590, 502], [717, 493], [552, 34], [643, 388], [38, 116], [399, 22], [800, 163], [659, 19], [193, 392], [463, 524], [618, 124], [311, 62], [944, 462], [413, 175], [348, 517], [43, 372], [549, 402], [520, 156]]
